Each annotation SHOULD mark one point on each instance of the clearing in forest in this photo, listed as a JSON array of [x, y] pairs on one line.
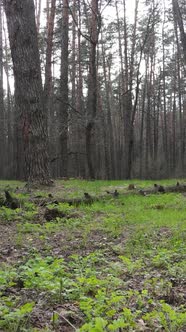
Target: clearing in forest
[[99, 261]]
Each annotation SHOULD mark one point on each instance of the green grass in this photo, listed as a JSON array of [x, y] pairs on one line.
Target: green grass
[[116, 265]]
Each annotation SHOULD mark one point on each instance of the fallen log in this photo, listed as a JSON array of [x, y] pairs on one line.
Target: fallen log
[[70, 201], [166, 189], [88, 199]]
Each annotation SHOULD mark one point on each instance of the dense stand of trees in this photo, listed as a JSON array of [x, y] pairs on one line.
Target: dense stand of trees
[[100, 92]]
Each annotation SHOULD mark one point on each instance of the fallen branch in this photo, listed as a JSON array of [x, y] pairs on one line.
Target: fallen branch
[[65, 319]]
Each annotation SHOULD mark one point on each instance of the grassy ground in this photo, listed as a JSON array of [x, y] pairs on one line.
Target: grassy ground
[[116, 265]]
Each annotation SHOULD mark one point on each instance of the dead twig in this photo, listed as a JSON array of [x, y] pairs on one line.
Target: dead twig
[[65, 319]]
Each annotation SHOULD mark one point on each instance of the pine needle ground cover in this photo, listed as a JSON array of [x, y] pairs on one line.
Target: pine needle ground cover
[[116, 264]]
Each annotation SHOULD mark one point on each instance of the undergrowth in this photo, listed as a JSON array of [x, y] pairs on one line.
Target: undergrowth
[[115, 265]]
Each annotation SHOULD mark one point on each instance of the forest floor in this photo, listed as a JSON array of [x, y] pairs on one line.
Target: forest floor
[[116, 264]]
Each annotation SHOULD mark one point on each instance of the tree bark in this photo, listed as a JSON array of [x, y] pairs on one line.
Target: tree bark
[[2, 109], [80, 107], [48, 65], [179, 20], [92, 88], [38, 17], [10, 162], [48, 85], [63, 112], [28, 88]]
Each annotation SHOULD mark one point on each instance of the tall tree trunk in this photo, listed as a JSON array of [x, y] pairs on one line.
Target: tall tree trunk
[[181, 124], [10, 162], [165, 132], [28, 88], [174, 131], [73, 115], [48, 88], [130, 110], [123, 83], [80, 107], [38, 14], [142, 125], [109, 128], [92, 88], [156, 126], [179, 20], [63, 111], [48, 65], [2, 109]]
